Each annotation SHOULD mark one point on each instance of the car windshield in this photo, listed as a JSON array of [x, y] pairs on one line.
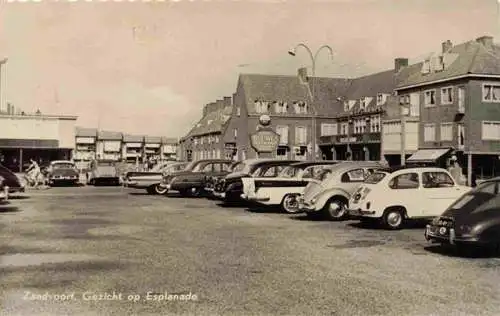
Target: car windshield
[[191, 165], [375, 178], [105, 163], [63, 165], [289, 172], [198, 167], [238, 167], [323, 175]]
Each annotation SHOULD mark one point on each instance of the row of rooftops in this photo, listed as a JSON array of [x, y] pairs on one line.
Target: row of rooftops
[[335, 97], [110, 135]]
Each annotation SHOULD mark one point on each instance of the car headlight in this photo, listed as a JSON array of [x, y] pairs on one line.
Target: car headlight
[[314, 200]]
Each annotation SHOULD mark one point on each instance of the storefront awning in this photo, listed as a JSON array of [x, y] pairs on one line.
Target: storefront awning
[[428, 155]]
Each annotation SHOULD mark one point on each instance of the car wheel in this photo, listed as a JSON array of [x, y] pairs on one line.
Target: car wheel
[[393, 218], [159, 190], [290, 204], [335, 209]]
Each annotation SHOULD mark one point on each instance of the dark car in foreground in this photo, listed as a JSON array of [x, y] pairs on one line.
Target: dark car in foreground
[[9, 183], [473, 219], [212, 181], [150, 180], [192, 180], [230, 188], [62, 171]]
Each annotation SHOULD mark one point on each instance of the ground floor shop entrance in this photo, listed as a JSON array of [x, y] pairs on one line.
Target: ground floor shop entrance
[[358, 152], [18, 159]]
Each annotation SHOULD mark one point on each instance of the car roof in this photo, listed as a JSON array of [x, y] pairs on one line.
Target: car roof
[[412, 168], [212, 160], [346, 165], [62, 161], [305, 164]]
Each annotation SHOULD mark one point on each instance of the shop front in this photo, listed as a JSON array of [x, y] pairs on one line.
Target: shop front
[[358, 148]]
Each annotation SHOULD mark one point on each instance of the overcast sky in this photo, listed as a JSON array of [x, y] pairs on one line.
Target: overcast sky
[[148, 68]]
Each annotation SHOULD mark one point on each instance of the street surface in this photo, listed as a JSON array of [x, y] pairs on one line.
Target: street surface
[[100, 250]]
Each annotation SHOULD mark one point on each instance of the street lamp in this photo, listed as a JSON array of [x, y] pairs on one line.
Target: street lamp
[[292, 52]]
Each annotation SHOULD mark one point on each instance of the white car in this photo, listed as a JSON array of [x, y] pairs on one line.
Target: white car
[[395, 195], [284, 189]]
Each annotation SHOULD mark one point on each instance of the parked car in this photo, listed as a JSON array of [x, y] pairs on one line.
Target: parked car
[[398, 194], [284, 189], [211, 181], [9, 183], [328, 196], [103, 171], [158, 168], [230, 188], [474, 219], [150, 181], [192, 180], [62, 171]]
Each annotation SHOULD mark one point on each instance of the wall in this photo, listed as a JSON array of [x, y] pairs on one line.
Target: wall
[[476, 111], [391, 137], [67, 133]]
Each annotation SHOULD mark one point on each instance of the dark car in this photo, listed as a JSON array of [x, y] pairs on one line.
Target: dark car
[[192, 180], [9, 183], [473, 219], [62, 171], [213, 180], [230, 188], [150, 181]]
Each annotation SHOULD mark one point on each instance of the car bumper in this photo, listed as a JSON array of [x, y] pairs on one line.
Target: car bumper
[[432, 234], [135, 185], [220, 195], [307, 208], [255, 198], [361, 213], [55, 179]]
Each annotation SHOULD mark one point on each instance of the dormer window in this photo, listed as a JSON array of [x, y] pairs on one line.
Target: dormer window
[[281, 107], [300, 107], [362, 103], [261, 106], [426, 67], [381, 98], [209, 122], [346, 106]]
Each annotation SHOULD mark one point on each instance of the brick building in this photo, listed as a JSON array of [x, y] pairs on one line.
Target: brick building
[[457, 94]]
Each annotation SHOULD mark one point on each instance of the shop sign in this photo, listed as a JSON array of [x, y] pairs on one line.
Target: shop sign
[[348, 139], [265, 141], [229, 145]]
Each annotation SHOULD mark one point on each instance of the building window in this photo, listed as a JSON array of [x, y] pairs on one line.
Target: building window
[[196, 141], [216, 139], [430, 97], [461, 99], [375, 124], [238, 111], [491, 130], [381, 98], [235, 132], [300, 107], [218, 153], [446, 131], [282, 152], [300, 135], [491, 92], [283, 132], [329, 129], [346, 106], [429, 133], [261, 106], [344, 128], [214, 154], [447, 95], [362, 103], [461, 136], [281, 107]]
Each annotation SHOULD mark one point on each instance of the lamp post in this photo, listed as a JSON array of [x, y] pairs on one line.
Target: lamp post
[[367, 131], [292, 52]]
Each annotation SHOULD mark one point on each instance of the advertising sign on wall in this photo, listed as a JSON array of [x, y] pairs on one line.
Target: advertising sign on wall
[[265, 141], [112, 146]]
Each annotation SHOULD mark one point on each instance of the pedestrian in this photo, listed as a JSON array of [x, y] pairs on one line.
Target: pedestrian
[[455, 170]]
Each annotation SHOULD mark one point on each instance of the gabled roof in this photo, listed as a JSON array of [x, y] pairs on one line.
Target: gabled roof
[[290, 88], [109, 135], [133, 138], [85, 132], [472, 57], [152, 139], [212, 122], [169, 141]]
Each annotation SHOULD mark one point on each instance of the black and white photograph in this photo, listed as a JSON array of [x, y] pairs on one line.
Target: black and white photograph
[[251, 157]]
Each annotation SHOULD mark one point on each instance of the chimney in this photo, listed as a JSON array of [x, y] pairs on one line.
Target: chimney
[[487, 41], [227, 101], [302, 74], [446, 46], [400, 63]]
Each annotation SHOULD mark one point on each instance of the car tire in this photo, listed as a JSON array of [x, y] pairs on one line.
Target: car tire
[[335, 209], [150, 190], [195, 192], [286, 206], [393, 218], [159, 190]]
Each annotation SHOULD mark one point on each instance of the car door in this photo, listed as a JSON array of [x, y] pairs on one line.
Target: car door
[[405, 190], [440, 191]]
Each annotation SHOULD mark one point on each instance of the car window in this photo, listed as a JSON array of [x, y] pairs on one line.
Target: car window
[[324, 174], [436, 180], [239, 167], [289, 172], [375, 177], [404, 181], [488, 187], [356, 175], [308, 173], [272, 171], [226, 166], [63, 166], [207, 168]]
